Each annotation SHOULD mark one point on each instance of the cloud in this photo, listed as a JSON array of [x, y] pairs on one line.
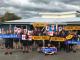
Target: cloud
[[31, 8]]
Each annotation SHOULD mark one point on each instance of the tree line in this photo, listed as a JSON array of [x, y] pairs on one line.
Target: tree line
[[9, 16]]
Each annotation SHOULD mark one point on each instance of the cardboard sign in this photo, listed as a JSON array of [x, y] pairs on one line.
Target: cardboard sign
[[40, 37], [52, 38], [45, 37], [71, 28], [36, 37], [69, 37], [57, 39], [39, 24]]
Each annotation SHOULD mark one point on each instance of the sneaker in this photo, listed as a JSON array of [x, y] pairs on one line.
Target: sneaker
[[10, 53], [23, 51], [27, 51], [39, 52], [6, 53]]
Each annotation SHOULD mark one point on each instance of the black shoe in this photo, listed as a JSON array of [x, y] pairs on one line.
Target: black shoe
[[6, 53], [10, 53], [74, 51], [39, 52], [23, 51], [27, 51]]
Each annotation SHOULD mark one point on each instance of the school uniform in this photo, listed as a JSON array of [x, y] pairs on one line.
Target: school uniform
[[18, 32], [30, 41], [8, 43], [24, 40]]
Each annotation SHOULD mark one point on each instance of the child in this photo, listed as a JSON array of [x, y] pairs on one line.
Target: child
[[8, 44], [24, 42]]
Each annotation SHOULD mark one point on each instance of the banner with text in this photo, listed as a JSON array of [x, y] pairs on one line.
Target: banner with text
[[71, 28], [9, 36]]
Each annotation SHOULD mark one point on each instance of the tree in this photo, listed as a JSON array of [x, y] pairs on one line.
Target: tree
[[9, 16]]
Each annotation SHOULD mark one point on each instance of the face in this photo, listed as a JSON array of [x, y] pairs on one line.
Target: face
[[7, 31], [49, 44], [10, 31]]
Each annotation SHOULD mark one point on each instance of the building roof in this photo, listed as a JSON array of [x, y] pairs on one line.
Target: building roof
[[58, 13], [46, 20]]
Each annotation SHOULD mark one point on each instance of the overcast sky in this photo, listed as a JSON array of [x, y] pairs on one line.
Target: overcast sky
[[30, 8]]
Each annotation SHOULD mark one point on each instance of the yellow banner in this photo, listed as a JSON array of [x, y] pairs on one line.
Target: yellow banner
[[52, 38], [40, 37], [71, 27], [39, 24], [45, 37], [37, 38], [69, 37], [57, 39]]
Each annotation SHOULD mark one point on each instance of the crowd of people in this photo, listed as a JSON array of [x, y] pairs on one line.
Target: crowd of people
[[26, 43]]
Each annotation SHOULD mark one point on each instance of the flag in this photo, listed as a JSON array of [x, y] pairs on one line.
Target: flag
[[52, 27], [50, 33], [47, 28], [60, 28]]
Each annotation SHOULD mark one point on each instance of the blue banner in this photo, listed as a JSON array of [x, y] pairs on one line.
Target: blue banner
[[73, 42], [9, 36]]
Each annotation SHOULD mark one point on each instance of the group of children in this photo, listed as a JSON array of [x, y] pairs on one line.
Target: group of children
[[25, 42]]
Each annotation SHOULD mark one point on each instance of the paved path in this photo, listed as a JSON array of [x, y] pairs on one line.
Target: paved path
[[17, 55]]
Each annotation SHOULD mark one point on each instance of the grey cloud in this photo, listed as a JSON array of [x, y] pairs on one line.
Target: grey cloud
[[31, 8], [41, 1], [65, 1]]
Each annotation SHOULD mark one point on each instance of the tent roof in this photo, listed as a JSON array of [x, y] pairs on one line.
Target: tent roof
[[46, 20]]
